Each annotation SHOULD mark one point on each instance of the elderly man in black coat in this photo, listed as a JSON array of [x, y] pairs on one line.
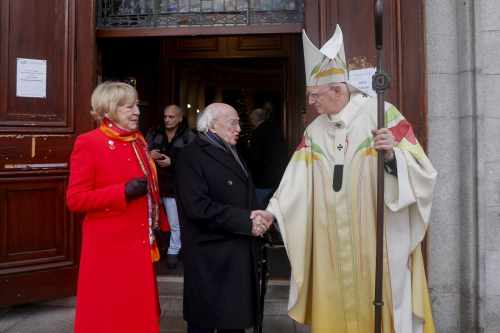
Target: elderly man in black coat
[[220, 227]]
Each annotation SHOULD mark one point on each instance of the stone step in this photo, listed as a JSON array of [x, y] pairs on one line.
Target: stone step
[[170, 293], [272, 324], [57, 315], [276, 319]]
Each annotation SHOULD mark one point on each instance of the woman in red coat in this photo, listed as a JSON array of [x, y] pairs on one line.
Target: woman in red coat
[[113, 181]]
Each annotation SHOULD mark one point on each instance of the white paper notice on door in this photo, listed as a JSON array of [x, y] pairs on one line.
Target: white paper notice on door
[[31, 78], [362, 79]]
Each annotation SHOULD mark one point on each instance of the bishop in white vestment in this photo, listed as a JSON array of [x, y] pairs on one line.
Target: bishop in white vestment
[[325, 207]]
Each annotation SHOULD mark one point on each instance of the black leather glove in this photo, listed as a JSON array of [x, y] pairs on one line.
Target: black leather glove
[[136, 188]]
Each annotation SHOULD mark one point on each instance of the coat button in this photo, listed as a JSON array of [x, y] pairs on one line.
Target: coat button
[[143, 242], [230, 182], [107, 209], [143, 225]]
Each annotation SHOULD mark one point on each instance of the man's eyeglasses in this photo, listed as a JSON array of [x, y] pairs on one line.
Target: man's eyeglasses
[[234, 123]]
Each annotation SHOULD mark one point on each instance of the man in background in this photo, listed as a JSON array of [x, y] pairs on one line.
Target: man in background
[[165, 142], [267, 155]]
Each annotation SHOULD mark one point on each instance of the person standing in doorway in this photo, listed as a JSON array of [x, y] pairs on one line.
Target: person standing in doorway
[[267, 155], [165, 142], [113, 181]]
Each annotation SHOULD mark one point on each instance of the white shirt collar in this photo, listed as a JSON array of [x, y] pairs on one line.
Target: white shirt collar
[[344, 118]]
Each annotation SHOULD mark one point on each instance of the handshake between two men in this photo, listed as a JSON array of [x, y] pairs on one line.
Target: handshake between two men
[[261, 222]]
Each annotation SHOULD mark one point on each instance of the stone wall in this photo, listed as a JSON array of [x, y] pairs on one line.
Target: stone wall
[[463, 73]]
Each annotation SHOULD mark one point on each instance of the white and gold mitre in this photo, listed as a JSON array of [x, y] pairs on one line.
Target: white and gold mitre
[[328, 64]]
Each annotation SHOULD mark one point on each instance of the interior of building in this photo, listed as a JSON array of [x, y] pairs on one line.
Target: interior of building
[[194, 72]]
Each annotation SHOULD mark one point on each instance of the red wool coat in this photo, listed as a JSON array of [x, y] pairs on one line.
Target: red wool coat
[[116, 284]]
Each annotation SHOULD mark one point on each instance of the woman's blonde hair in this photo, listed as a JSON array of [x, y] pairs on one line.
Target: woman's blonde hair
[[110, 95]]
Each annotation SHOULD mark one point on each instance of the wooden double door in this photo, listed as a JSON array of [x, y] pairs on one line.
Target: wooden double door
[[39, 238]]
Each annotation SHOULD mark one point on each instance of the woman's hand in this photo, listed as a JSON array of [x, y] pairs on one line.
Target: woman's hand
[[136, 188]]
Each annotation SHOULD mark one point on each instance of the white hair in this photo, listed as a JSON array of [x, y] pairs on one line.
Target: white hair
[[207, 117]]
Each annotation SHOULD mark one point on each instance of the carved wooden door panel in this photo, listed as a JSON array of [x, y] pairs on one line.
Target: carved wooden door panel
[[39, 238]]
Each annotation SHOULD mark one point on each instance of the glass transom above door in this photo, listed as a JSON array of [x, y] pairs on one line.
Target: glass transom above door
[[197, 13]]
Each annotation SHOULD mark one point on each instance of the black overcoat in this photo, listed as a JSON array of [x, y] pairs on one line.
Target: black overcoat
[[267, 155], [216, 199]]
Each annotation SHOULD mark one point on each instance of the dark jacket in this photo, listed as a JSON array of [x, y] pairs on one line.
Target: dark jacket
[[267, 155], [215, 200], [157, 139]]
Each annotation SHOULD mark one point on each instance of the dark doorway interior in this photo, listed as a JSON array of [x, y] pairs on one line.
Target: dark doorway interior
[[245, 83], [135, 61]]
